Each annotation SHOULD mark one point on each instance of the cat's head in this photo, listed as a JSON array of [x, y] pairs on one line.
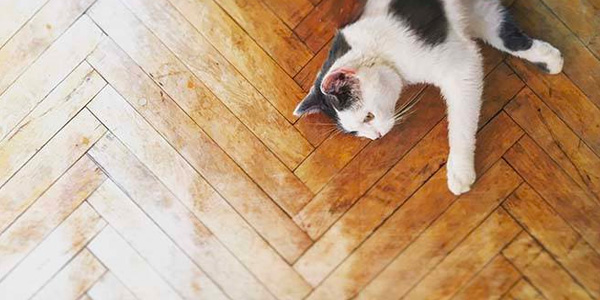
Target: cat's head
[[359, 95]]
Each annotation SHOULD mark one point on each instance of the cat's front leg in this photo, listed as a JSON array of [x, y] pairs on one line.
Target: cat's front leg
[[463, 97]]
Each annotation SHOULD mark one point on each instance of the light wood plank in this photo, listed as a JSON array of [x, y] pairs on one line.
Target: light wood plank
[[552, 280], [434, 243], [152, 244], [14, 14], [210, 114], [523, 290], [110, 288], [122, 260], [379, 156], [39, 33], [47, 72], [47, 119], [582, 17], [395, 188], [269, 32], [329, 15], [575, 205], [580, 64], [566, 100], [468, 258], [198, 196], [52, 254], [405, 226], [178, 222], [290, 11], [557, 139], [74, 279], [492, 282], [47, 212], [244, 53], [48, 165], [307, 76], [522, 251], [557, 236], [213, 69]]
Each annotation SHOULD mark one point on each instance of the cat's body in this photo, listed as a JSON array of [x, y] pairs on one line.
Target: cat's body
[[399, 42]]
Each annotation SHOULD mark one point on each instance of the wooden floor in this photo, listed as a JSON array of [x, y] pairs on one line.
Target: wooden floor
[[148, 150]]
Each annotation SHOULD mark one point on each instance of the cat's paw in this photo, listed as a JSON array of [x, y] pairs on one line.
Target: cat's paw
[[549, 59], [460, 179]]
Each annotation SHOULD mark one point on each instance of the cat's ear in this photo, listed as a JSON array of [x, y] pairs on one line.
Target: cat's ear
[[309, 105], [337, 79]]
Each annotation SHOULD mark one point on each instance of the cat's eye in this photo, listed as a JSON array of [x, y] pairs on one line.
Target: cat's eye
[[369, 118]]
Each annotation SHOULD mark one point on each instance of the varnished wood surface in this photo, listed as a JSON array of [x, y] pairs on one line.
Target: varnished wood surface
[[148, 151]]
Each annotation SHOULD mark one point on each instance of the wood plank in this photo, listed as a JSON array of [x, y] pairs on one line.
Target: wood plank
[[47, 212], [336, 151], [52, 254], [199, 197], [307, 76], [122, 260], [557, 139], [523, 290], [434, 244], [322, 23], [290, 11], [492, 282], [110, 288], [179, 223], [583, 18], [154, 246], [74, 279], [395, 188], [566, 100], [47, 72], [468, 258], [35, 37], [580, 64], [232, 41], [575, 205], [14, 14], [213, 69], [47, 119], [315, 127], [209, 114], [557, 236], [269, 32], [522, 251], [378, 157], [48, 165], [552, 280], [404, 226]]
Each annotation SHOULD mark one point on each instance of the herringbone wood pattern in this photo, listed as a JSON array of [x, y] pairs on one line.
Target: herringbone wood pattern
[[148, 150]]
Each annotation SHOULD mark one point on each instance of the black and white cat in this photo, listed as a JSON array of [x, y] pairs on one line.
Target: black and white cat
[[399, 42]]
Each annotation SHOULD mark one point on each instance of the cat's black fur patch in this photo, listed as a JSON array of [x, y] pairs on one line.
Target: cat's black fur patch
[[426, 17], [339, 47], [542, 66], [512, 36]]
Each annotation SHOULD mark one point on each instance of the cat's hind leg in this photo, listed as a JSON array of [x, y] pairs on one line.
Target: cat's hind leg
[[491, 22]]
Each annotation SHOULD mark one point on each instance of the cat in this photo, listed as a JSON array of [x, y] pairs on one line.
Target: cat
[[395, 43]]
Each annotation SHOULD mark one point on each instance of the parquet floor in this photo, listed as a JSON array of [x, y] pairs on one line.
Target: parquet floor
[[148, 150]]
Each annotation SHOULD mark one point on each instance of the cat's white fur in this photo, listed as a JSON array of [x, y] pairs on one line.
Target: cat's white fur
[[387, 56]]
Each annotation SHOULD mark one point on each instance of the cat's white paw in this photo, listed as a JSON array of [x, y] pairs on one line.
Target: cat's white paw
[[548, 57], [460, 179]]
